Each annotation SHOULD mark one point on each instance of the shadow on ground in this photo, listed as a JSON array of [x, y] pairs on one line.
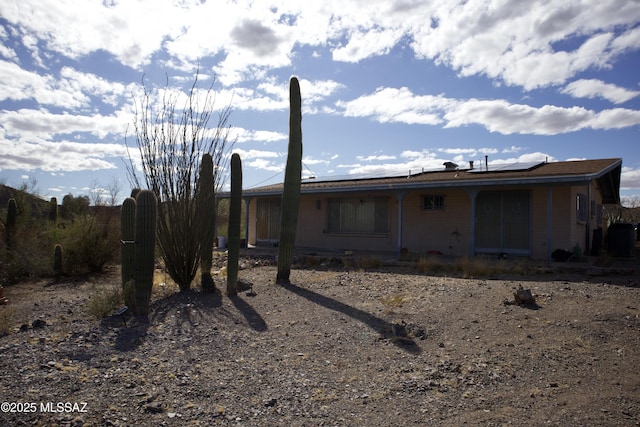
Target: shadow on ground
[[379, 325]]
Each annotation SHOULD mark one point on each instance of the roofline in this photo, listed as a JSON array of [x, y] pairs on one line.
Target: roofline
[[452, 183], [563, 179]]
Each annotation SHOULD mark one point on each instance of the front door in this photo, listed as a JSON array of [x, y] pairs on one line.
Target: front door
[[503, 222], [268, 221]]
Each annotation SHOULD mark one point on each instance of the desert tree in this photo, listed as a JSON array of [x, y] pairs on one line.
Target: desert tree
[[172, 132]]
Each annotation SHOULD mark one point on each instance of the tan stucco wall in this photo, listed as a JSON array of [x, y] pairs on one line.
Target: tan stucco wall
[[311, 231], [447, 231]]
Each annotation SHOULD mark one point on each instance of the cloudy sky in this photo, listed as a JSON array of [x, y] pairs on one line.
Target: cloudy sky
[[387, 85]]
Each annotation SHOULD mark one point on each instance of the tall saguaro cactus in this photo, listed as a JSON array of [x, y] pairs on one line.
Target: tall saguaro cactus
[[10, 225], [145, 238], [206, 216], [53, 210], [292, 181], [233, 233], [127, 248]]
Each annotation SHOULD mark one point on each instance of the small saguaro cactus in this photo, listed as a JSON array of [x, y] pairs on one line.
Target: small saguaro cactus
[[10, 225], [292, 180], [233, 233], [57, 262], [127, 248], [206, 218], [145, 238], [53, 210]]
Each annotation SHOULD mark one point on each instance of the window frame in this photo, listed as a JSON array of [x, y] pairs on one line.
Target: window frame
[[581, 207], [341, 214], [434, 206]]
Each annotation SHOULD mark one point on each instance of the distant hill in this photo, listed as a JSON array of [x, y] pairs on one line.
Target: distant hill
[[37, 205]]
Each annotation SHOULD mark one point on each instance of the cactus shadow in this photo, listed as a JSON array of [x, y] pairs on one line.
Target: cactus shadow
[[379, 325], [132, 334], [186, 310], [253, 318]]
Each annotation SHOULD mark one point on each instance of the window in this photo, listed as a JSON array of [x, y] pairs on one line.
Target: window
[[581, 207], [355, 215], [433, 203]]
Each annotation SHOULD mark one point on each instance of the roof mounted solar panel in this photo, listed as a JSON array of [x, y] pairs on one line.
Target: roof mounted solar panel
[[508, 167], [358, 176]]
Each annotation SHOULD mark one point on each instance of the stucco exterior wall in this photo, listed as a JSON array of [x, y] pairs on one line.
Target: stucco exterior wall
[[449, 230], [312, 226]]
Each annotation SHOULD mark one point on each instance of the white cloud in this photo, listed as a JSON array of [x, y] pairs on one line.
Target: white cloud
[[267, 165], [245, 135], [65, 156], [365, 44], [515, 41], [255, 154], [26, 123], [375, 158], [505, 118], [510, 41], [397, 105], [389, 105], [594, 88]]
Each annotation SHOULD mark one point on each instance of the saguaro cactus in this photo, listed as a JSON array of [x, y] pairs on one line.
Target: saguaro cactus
[[10, 225], [206, 217], [233, 233], [127, 248], [53, 210], [292, 180], [145, 233], [57, 262]]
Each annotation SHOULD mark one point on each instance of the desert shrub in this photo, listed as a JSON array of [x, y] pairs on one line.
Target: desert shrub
[[29, 257], [89, 242], [429, 264], [104, 300]]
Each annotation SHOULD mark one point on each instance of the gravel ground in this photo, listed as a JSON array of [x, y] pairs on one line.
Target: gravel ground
[[337, 347]]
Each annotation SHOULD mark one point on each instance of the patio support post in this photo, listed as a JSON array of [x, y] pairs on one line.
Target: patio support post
[[399, 197], [549, 223], [247, 201], [472, 239]]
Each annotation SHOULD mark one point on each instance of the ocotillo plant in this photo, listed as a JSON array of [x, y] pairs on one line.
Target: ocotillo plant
[[57, 262], [127, 248], [206, 216], [292, 180], [10, 224], [233, 233], [145, 232], [53, 210]]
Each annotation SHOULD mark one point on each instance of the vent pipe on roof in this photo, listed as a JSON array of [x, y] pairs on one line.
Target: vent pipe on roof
[[486, 162], [450, 166]]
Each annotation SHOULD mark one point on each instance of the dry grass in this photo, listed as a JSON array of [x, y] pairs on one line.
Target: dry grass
[[104, 300], [7, 319], [394, 301], [362, 263]]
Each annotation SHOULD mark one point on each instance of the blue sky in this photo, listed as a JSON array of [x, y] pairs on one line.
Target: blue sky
[[387, 86]]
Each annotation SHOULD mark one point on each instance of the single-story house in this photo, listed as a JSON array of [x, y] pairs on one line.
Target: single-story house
[[527, 209]]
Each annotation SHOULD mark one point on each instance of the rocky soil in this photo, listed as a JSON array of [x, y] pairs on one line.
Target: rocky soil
[[337, 347]]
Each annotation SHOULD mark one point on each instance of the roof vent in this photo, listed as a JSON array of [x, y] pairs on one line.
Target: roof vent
[[450, 166]]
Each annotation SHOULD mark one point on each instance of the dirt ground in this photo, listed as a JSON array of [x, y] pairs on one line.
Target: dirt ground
[[386, 346]]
